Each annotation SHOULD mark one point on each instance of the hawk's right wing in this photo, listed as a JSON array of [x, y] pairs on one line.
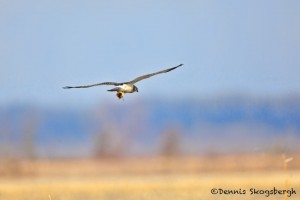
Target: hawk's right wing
[[153, 74]]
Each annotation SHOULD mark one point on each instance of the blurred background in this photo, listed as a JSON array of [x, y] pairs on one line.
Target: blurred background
[[234, 105]]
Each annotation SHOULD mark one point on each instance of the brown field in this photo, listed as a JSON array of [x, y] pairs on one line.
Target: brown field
[[151, 178]]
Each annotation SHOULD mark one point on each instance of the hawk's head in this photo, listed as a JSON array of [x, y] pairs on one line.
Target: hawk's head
[[135, 89]]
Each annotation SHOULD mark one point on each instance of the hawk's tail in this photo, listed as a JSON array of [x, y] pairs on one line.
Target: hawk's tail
[[114, 89]]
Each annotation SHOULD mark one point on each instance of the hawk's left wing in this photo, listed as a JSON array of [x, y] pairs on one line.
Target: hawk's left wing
[[92, 85]]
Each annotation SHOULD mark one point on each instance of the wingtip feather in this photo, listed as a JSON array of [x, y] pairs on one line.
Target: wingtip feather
[[174, 67]]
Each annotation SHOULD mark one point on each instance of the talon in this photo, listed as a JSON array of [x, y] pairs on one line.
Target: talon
[[120, 95]]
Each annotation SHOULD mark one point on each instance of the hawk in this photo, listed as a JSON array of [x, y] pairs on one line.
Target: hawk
[[124, 87]]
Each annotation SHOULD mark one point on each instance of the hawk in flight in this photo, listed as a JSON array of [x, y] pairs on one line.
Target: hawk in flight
[[124, 87]]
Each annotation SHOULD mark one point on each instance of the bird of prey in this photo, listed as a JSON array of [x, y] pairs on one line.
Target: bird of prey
[[124, 87]]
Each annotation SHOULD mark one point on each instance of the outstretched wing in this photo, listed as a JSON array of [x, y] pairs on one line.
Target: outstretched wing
[[153, 74], [92, 85]]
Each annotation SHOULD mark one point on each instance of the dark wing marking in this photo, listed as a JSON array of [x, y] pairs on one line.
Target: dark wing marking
[[153, 74], [97, 84]]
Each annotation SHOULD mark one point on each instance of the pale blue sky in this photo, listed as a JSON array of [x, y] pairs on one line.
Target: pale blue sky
[[250, 47]]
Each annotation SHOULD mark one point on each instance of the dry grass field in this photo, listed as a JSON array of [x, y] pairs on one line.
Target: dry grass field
[[146, 179]]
